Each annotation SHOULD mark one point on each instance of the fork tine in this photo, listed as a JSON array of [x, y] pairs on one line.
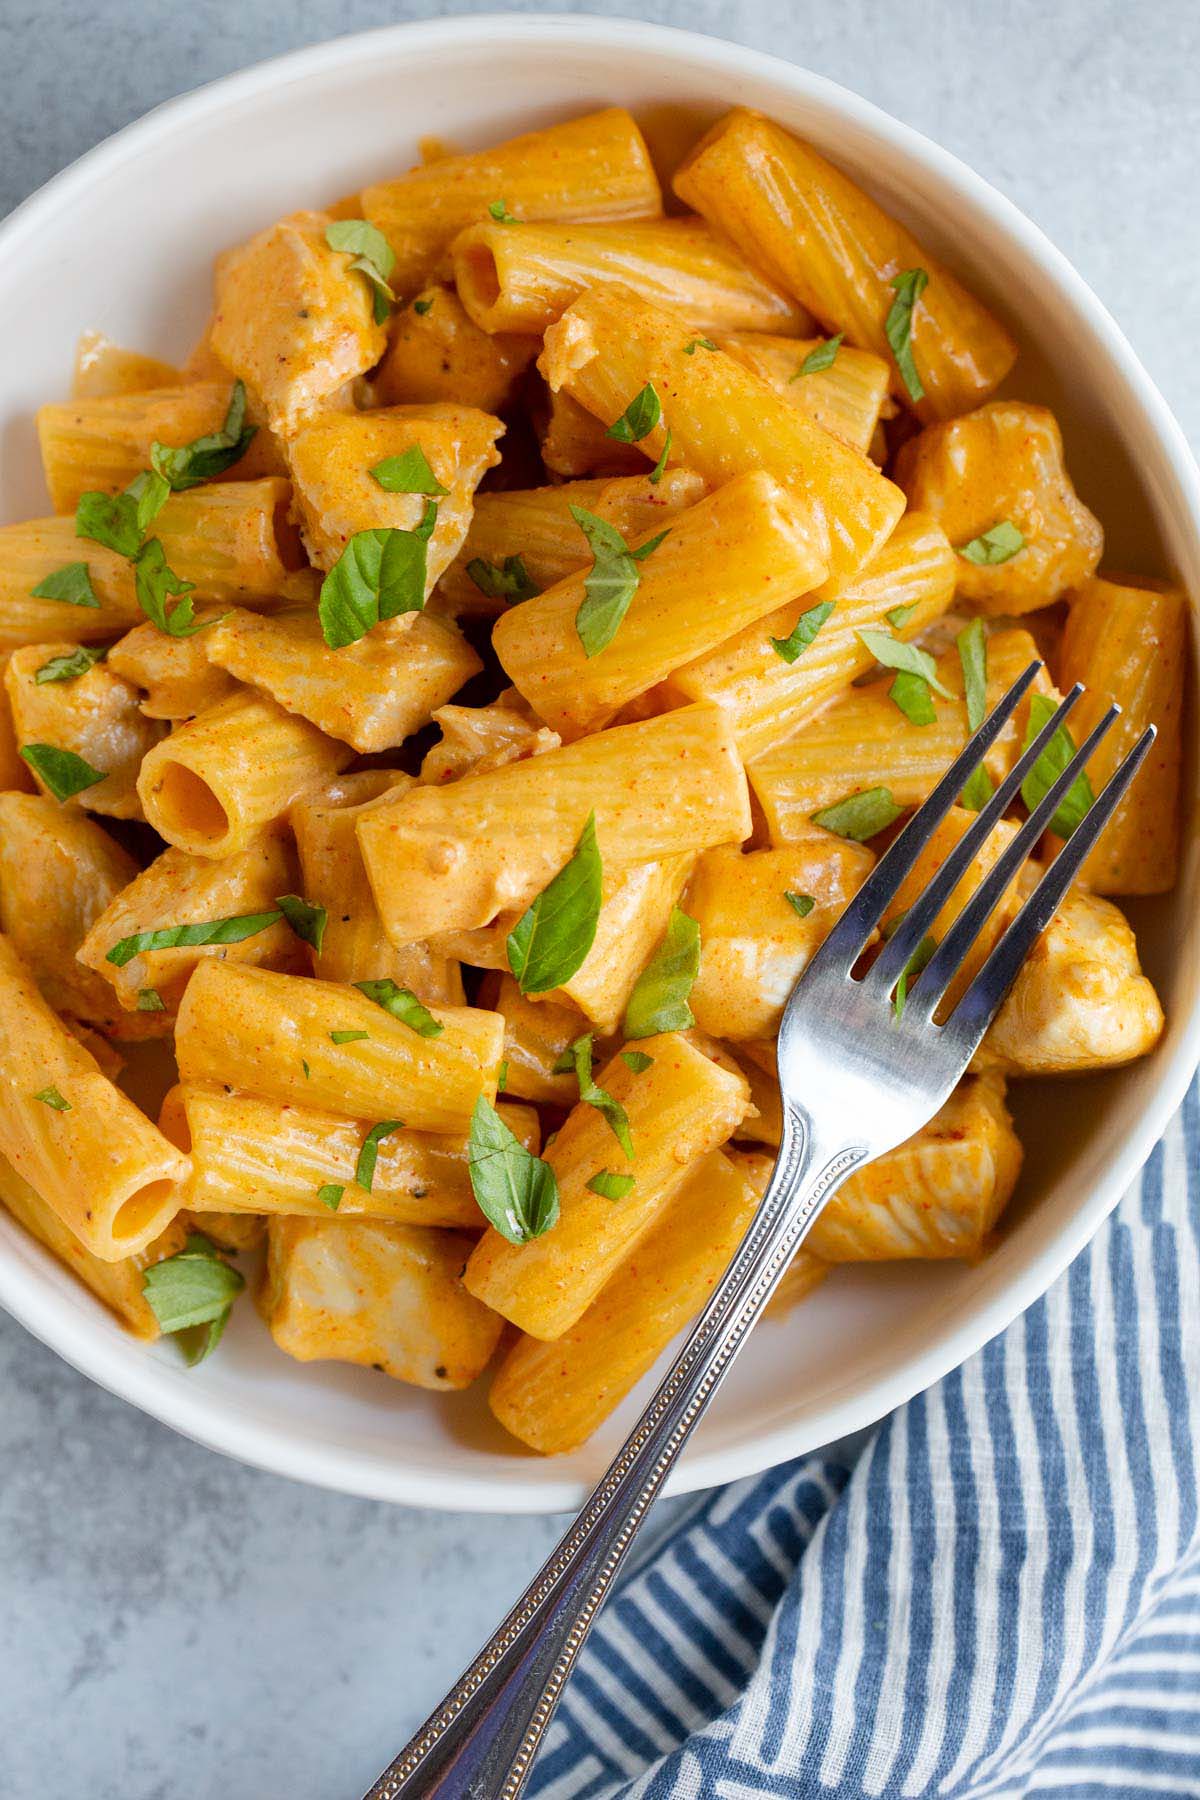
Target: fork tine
[[846, 941], [944, 963], [898, 951], [979, 1005]]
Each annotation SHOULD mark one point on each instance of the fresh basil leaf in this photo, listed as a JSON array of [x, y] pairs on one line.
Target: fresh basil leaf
[[364, 1168], [306, 920], [348, 1037], [609, 1185], [1075, 805], [380, 574], [111, 520], [63, 772], [330, 1195], [912, 968], [508, 581], [421, 307], [900, 615], [911, 694], [50, 1096], [564, 1064], [860, 816], [996, 545], [71, 666], [149, 492], [408, 473], [307, 1070], [590, 1094], [637, 1060], [640, 417], [499, 211], [660, 467], [801, 904], [190, 464], [232, 930], [373, 257], [698, 343], [150, 1000], [894, 653], [820, 357], [402, 1004], [502, 1078], [909, 286], [513, 1188], [72, 584], [660, 993], [971, 644], [551, 940], [196, 1287], [153, 580], [803, 631], [610, 583]]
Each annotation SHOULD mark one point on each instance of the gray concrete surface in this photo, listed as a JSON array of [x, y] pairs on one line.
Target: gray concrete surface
[[172, 1626]]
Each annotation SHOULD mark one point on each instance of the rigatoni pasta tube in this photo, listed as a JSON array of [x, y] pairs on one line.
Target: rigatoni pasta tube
[[537, 525], [767, 697], [537, 1033], [636, 906], [436, 351], [594, 167], [1128, 643], [679, 1109], [388, 1297], [723, 419], [726, 562], [104, 443], [452, 858], [117, 1285], [103, 368], [251, 1155], [846, 398], [554, 1395], [82, 1145], [864, 741], [175, 677], [355, 946], [213, 783], [824, 240], [522, 278], [259, 1030]]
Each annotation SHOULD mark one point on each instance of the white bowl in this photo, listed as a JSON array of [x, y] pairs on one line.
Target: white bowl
[[123, 241]]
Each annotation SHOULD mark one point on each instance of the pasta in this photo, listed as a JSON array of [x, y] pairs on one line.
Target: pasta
[[441, 721]]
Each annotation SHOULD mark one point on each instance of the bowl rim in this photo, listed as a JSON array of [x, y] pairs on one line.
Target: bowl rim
[[91, 1345]]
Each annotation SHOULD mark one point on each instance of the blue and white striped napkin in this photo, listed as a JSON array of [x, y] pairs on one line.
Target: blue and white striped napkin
[[1000, 1599]]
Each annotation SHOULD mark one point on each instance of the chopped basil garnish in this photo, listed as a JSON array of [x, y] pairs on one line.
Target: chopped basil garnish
[[698, 343], [408, 473], [120, 521], [660, 467], [610, 583], [348, 1037], [422, 307], [909, 287], [306, 920], [912, 968], [820, 357], [373, 257], [380, 574], [502, 1077], [154, 581], [69, 667], [508, 581], [637, 1060], [204, 457], [364, 1168], [513, 1188], [640, 417], [330, 1195], [194, 1288], [911, 694], [1079, 798], [900, 615], [997, 545], [64, 773], [177, 937], [50, 1096], [660, 994], [72, 584], [150, 1000], [609, 1185], [803, 631], [551, 940], [499, 211], [590, 1094], [971, 644], [402, 1004], [894, 653], [801, 904], [860, 816]]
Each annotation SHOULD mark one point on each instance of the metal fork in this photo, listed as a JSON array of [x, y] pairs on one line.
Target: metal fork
[[856, 1080]]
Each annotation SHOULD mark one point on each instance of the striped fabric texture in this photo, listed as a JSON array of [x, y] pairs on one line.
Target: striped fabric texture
[[1000, 1599]]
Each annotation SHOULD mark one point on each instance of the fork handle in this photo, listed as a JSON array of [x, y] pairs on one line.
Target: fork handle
[[481, 1742]]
